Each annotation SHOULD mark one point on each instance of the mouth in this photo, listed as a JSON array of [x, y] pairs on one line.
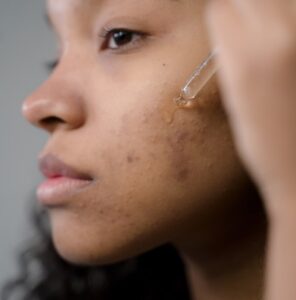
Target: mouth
[[61, 181]]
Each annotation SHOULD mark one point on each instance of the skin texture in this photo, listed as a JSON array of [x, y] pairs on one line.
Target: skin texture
[[161, 174], [107, 112]]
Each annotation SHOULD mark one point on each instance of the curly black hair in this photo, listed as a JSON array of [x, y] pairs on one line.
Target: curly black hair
[[44, 275]]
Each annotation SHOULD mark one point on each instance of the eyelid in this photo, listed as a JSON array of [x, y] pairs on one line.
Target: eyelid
[[52, 64], [106, 32]]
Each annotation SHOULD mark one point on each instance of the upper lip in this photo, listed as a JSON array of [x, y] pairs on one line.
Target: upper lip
[[52, 167]]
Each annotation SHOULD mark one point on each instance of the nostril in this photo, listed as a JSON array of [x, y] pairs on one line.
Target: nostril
[[52, 107], [50, 123]]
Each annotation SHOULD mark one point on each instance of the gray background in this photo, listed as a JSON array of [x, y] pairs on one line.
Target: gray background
[[26, 43]]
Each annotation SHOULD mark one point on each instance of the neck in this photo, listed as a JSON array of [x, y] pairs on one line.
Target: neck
[[230, 264]]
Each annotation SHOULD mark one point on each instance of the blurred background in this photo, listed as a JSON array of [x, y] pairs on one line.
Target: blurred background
[[26, 46]]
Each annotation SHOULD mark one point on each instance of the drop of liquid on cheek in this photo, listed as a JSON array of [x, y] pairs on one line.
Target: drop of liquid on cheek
[[168, 114], [170, 104], [186, 103], [169, 111]]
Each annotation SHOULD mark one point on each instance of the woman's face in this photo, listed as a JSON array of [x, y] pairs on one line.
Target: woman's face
[[156, 173]]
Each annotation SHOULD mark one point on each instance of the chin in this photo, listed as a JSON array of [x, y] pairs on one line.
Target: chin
[[85, 252], [84, 240], [83, 248]]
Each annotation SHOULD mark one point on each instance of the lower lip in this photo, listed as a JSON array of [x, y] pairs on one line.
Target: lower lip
[[57, 191]]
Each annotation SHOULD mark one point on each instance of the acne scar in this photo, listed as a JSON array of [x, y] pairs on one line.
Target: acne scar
[[130, 158], [182, 137], [182, 175]]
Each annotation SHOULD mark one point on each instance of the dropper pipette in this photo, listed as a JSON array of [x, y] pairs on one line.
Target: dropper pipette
[[204, 72]]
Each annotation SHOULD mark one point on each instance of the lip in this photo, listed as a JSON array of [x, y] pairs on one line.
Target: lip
[[61, 181]]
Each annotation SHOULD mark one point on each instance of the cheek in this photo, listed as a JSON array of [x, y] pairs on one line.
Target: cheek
[[154, 173], [147, 147], [139, 135], [142, 133], [155, 178]]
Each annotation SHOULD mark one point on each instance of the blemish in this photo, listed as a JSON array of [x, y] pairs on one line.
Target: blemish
[[182, 137], [183, 174], [131, 158], [178, 141]]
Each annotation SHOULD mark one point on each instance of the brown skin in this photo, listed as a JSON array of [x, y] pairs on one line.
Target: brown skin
[[159, 176], [111, 123]]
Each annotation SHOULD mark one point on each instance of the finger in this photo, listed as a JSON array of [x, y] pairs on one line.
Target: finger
[[272, 23], [227, 31], [224, 22], [228, 34], [264, 10]]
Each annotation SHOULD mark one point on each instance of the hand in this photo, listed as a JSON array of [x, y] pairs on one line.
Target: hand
[[257, 55], [257, 44]]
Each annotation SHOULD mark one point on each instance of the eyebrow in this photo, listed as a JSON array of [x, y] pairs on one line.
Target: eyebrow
[[50, 23]]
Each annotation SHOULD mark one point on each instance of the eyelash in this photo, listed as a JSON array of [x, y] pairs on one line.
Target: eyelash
[[107, 34], [136, 37]]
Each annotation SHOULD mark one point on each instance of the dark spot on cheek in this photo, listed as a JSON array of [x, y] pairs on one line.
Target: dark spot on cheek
[[182, 137], [164, 64], [178, 141], [182, 174], [132, 158]]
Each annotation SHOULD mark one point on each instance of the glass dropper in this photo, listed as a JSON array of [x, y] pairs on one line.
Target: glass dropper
[[202, 74]]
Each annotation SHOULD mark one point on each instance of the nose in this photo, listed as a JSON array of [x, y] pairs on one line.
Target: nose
[[56, 104]]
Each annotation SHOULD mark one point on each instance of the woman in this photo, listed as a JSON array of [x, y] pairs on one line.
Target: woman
[[126, 171]]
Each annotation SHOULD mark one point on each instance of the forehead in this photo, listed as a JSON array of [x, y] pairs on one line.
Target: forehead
[[59, 5], [67, 11]]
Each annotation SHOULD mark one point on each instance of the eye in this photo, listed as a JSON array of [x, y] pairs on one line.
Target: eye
[[116, 39]]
